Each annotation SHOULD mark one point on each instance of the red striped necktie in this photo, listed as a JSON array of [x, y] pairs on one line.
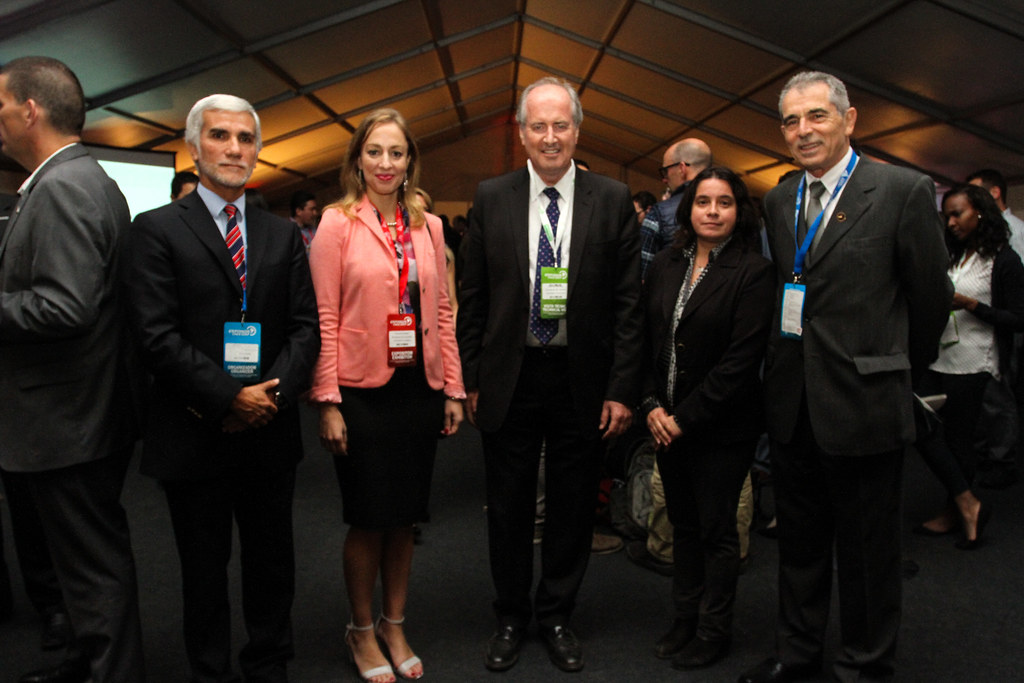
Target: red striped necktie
[[236, 247]]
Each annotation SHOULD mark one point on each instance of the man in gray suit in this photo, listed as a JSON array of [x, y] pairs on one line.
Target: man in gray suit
[[65, 411], [862, 301]]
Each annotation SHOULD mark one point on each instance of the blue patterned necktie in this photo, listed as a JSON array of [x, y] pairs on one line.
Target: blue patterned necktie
[[236, 248], [544, 329]]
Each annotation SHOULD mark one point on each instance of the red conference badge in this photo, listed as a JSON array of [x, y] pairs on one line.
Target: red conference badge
[[401, 340]]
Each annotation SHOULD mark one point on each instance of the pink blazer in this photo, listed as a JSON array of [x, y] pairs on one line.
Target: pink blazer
[[356, 285]]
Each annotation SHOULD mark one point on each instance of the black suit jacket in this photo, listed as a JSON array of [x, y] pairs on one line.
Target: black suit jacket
[[719, 342], [183, 289], [603, 318], [877, 301]]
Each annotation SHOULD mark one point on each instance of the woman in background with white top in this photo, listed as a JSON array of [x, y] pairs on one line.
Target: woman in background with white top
[[988, 307]]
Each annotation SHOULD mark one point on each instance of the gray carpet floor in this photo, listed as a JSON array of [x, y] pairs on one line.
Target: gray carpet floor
[[963, 612]]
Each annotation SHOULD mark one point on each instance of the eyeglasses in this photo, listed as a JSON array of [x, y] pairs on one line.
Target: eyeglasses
[[663, 170]]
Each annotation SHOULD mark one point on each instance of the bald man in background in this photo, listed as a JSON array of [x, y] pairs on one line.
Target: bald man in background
[[680, 164]]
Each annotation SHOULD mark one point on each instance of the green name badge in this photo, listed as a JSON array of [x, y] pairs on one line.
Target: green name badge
[[554, 291]]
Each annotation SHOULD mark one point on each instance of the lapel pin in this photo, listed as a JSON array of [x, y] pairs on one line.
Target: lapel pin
[[840, 216]]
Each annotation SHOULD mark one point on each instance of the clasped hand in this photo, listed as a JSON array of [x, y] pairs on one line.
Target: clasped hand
[[253, 407]]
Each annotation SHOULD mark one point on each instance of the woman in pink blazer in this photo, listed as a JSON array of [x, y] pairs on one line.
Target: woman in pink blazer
[[388, 380]]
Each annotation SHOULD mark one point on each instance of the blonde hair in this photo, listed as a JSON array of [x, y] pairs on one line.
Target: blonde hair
[[352, 185]]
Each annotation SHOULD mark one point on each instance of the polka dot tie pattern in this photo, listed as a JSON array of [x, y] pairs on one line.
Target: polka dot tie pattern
[[544, 329]]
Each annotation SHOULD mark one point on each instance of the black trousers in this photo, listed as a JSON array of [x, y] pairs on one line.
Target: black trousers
[[542, 411], [702, 484], [87, 533], [849, 505], [202, 511], [34, 559], [949, 450]]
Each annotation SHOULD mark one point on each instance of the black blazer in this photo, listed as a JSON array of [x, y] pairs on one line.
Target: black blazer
[[719, 342], [183, 288], [603, 318]]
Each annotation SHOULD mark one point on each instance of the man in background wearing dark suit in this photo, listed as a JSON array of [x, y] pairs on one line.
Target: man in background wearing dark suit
[[223, 306], [66, 419], [863, 298], [553, 361]]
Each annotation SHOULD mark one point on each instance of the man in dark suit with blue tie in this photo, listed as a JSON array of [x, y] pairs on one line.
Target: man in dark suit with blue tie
[[66, 417], [223, 307], [863, 298], [550, 335]]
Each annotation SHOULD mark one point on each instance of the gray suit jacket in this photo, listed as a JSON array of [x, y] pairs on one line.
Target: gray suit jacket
[[604, 322], [877, 301], [63, 380]]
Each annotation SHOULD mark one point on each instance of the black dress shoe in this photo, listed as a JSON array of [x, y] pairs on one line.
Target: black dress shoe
[[56, 631], [68, 671], [563, 648], [673, 642], [503, 648], [700, 653], [772, 670]]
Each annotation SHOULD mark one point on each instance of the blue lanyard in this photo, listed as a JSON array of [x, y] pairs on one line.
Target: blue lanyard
[[812, 229]]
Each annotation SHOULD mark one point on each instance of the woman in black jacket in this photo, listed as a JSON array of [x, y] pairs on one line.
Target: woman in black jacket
[[709, 302], [988, 307]]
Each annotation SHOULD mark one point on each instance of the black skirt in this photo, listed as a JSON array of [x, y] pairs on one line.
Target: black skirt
[[392, 440]]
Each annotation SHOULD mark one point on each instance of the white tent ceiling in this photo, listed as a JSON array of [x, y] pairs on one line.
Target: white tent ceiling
[[936, 82]]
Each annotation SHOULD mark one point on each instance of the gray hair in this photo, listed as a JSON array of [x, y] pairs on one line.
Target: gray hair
[[577, 108], [837, 94], [194, 122], [693, 151]]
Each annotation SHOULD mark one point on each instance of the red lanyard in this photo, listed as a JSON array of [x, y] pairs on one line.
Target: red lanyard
[[403, 277]]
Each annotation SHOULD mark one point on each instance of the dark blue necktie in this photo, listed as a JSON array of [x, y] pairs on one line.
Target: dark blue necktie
[[544, 329]]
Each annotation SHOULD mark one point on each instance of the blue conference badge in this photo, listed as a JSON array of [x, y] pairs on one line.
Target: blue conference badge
[[242, 350]]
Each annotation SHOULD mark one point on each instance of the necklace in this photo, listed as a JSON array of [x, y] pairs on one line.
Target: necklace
[[391, 224]]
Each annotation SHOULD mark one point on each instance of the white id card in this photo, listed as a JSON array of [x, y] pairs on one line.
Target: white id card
[[793, 310]]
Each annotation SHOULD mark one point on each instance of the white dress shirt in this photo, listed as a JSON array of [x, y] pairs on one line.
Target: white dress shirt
[[976, 350], [829, 179], [538, 207]]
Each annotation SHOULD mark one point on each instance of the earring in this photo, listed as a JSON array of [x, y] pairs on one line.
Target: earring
[[405, 184], [359, 173]]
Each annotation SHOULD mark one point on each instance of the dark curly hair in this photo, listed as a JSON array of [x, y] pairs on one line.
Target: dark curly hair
[[747, 229], [992, 232]]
